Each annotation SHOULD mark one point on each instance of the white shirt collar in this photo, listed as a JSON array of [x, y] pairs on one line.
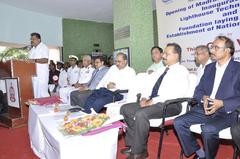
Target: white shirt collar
[[73, 67], [89, 66], [161, 61], [122, 69], [174, 65], [223, 66], [101, 67], [208, 62], [38, 45]]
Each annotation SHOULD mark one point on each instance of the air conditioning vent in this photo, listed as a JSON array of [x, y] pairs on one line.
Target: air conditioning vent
[[122, 33]]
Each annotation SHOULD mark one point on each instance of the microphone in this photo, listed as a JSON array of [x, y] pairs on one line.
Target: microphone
[[27, 47]]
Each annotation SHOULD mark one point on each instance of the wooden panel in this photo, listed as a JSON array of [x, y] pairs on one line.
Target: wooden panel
[[5, 69], [24, 71]]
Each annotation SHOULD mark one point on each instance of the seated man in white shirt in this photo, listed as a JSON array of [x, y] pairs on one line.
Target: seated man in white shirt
[[86, 71], [172, 82], [73, 77], [73, 70], [202, 57], [156, 54], [117, 78]]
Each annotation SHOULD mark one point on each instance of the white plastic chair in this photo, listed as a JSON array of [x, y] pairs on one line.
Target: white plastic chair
[[136, 86], [166, 121], [65, 92], [192, 85], [113, 109], [224, 134]]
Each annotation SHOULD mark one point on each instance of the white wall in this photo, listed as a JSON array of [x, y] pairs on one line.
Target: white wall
[[17, 24]]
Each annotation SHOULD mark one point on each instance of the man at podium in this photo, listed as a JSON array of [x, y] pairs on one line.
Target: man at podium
[[39, 54]]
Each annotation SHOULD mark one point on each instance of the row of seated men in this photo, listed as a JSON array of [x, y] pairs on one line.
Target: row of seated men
[[217, 97], [88, 78], [218, 83], [58, 76]]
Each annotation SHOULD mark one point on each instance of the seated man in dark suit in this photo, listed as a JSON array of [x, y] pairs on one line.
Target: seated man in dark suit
[[218, 95], [79, 97], [235, 131], [170, 82]]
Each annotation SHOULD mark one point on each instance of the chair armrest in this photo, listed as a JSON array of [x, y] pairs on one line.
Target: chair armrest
[[173, 101], [121, 91], [178, 100]]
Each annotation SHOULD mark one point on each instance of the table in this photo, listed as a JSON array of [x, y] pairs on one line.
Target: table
[[35, 129], [47, 142]]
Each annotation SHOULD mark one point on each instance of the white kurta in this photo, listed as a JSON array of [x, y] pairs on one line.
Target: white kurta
[[85, 74], [40, 82]]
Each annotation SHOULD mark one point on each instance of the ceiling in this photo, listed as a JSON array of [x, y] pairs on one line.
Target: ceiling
[[92, 10]]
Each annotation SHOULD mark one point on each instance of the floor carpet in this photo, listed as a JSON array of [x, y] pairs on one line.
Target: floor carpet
[[14, 144]]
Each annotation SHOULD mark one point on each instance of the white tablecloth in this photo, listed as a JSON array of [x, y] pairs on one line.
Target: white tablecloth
[[48, 142]]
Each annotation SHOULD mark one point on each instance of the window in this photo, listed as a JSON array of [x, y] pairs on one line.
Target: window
[[12, 51]]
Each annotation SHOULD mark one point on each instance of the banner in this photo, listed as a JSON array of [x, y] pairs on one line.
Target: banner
[[197, 22]]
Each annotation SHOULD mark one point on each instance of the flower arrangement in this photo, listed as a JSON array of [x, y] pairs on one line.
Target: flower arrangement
[[83, 124]]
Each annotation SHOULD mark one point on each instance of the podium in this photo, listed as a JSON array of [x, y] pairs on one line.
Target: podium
[[23, 71]]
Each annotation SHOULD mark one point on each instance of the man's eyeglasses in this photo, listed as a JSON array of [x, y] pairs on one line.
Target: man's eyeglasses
[[215, 47]]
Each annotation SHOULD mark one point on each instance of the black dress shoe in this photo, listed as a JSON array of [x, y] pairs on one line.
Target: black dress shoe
[[197, 157], [126, 150], [143, 155]]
